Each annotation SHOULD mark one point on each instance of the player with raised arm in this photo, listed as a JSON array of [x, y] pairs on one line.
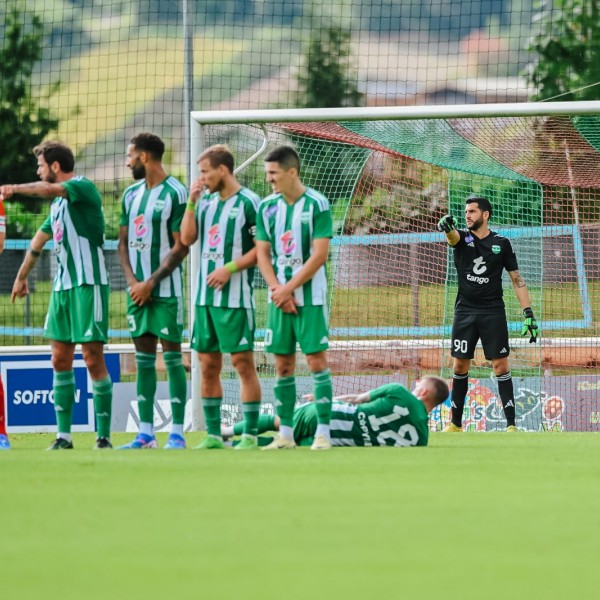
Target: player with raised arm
[[293, 232], [480, 256], [389, 415], [221, 214], [4, 441], [78, 309], [151, 252]]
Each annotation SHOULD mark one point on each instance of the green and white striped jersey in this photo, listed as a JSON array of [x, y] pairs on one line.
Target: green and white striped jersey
[[291, 229], [152, 216], [226, 231], [393, 417], [76, 224]]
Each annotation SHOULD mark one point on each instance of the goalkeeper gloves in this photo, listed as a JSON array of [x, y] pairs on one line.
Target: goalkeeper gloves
[[530, 326], [446, 224]]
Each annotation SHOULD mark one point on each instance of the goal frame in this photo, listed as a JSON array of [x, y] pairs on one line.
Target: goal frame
[[199, 119]]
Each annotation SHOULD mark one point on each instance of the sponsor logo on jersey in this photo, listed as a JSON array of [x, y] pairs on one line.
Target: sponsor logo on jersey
[[139, 246], [140, 228], [214, 239], [58, 232], [479, 266], [288, 245], [214, 256], [283, 261], [478, 280], [496, 249]]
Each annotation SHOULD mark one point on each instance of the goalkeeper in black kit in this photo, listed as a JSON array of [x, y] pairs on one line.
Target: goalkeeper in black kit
[[480, 255]]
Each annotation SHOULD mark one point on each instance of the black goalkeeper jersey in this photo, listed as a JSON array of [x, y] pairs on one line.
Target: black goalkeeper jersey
[[479, 265]]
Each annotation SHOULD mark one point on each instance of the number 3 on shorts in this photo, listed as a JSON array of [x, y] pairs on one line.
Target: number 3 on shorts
[[131, 321], [460, 346], [268, 337]]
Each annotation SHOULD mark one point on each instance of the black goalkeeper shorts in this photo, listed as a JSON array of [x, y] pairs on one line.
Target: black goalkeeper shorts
[[491, 329]]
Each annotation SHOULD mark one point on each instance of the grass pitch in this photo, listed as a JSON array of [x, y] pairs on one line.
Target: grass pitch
[[471, 516]]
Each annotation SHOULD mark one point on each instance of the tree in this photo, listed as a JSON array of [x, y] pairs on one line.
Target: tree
[[24, 123], [327, 80], [567, 50]]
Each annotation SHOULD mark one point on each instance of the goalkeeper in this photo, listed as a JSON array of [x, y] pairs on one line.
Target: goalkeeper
[[480, 256], [386, 416]]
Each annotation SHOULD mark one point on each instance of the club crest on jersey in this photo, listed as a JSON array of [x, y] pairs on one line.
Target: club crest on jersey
[[469, 239], [234, 212], [496, 249], [288, 245], [214, 239], [140, 228], [159, 205], [305, 217]]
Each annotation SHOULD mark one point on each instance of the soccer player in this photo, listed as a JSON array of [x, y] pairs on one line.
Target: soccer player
[[386, 416], [293, 231], [151, 252], [480, 255], [78, 309], [222, 215], [4, 442]]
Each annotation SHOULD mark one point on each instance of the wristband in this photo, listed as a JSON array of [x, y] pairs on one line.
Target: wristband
[[34, 253], [191, 206], [232, 267]]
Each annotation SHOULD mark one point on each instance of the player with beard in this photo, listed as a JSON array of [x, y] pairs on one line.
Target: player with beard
[[78, 309], [221, 215], [151, 252], [480, 255]]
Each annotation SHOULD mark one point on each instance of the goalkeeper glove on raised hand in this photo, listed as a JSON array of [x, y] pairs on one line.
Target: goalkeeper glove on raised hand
[[446, 224], [530, 326]]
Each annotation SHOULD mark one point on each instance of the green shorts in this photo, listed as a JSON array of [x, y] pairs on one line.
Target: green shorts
[[225, 330], [78, 315], [305, 424], [161, 317], [309, 328]]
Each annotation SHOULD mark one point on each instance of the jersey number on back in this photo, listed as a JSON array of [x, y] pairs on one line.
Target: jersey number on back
[[405, 436]]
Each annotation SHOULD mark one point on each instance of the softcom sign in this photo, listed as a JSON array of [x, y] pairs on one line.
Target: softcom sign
[[29, 397]]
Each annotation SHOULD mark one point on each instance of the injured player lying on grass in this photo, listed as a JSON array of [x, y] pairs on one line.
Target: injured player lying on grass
[[389, 415]]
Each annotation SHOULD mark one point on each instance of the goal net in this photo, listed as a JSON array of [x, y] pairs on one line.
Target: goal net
[[389, 179]]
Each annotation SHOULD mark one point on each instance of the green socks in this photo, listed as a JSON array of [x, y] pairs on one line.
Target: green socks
[[265, 423], [177, 385], [250, 410], [323, 395], [212, 415], [63, 385], [285, 400], [102, 391], [146, 385]]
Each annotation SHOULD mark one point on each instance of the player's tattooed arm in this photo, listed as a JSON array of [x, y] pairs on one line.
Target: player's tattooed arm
[[520, 287], [175, 257], [517, 279]]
